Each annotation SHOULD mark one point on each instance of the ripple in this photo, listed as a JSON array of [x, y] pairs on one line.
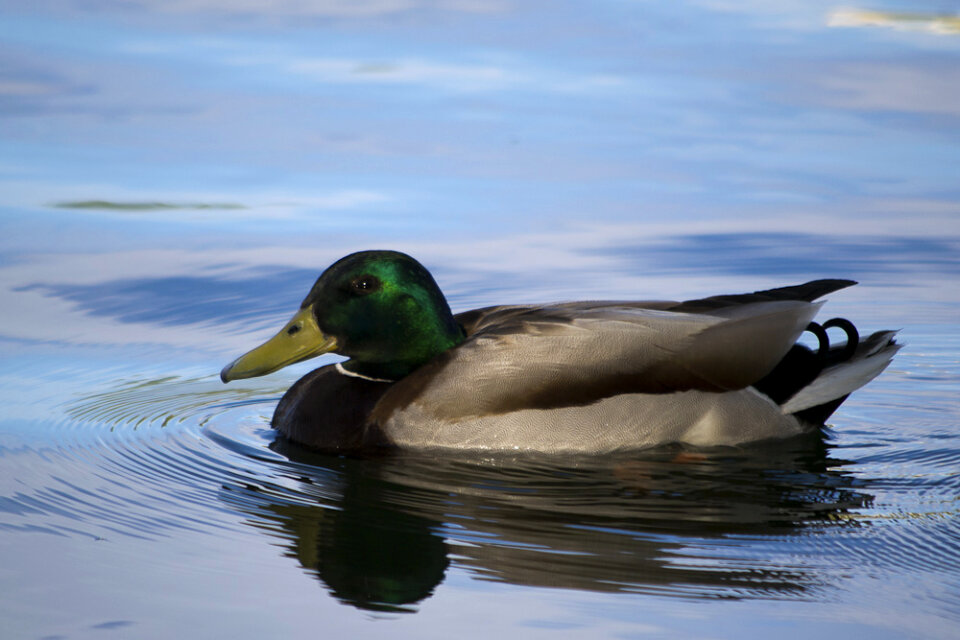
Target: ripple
[[143, 459], [165, 401], [611, 524], [153, 457]]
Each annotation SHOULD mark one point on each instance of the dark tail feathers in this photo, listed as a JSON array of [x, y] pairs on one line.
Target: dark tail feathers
[[828, 375]]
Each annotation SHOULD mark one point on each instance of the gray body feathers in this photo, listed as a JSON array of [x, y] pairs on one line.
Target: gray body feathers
[[595, 377]]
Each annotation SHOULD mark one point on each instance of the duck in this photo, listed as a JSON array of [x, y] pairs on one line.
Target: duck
[[587, 377]]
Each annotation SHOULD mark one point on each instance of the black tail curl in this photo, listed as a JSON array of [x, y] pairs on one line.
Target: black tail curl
[[834, 355], [853, 340], [802, 365]]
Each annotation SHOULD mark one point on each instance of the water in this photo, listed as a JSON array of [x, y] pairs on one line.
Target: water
[[173, 176]]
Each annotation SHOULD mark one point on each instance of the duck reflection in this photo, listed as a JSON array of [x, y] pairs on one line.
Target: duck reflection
[[380, 533], [343, 528]]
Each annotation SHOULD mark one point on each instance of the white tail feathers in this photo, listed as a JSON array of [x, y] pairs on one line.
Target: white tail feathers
[[871, 358]]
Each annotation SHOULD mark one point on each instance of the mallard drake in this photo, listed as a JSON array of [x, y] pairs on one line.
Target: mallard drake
[[585, 377]]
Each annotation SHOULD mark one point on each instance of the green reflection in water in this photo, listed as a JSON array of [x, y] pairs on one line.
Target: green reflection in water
[[108, 205]]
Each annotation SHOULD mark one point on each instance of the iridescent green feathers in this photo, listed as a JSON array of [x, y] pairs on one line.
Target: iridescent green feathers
[[386, 312]]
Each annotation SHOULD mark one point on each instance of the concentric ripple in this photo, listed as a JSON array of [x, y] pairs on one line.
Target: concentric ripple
[[136, 460], [150, 458]]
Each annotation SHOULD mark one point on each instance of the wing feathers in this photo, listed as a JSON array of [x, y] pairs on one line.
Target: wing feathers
[[808, 292], [565, 355]]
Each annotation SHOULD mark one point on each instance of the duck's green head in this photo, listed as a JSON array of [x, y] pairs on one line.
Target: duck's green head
[[381, 309]]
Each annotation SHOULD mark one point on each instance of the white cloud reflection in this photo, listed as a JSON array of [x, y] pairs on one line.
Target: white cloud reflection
[[500, 74], [281, 8], [905, 21], [405, 71]]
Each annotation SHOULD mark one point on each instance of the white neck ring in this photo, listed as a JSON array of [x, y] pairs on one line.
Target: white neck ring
[[352, 374]]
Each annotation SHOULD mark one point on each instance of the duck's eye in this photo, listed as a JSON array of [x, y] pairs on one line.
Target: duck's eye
[[365, 284]]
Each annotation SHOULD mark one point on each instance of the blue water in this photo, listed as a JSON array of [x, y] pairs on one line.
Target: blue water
[[174, 175]]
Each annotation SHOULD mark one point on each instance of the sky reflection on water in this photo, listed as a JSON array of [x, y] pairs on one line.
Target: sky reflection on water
[[175, 174], [455, 115]]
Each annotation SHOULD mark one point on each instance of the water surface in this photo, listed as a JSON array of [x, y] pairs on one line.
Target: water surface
[[173, 176]]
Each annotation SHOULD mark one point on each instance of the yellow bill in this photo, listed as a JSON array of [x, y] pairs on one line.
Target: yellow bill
[[300, 339]]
